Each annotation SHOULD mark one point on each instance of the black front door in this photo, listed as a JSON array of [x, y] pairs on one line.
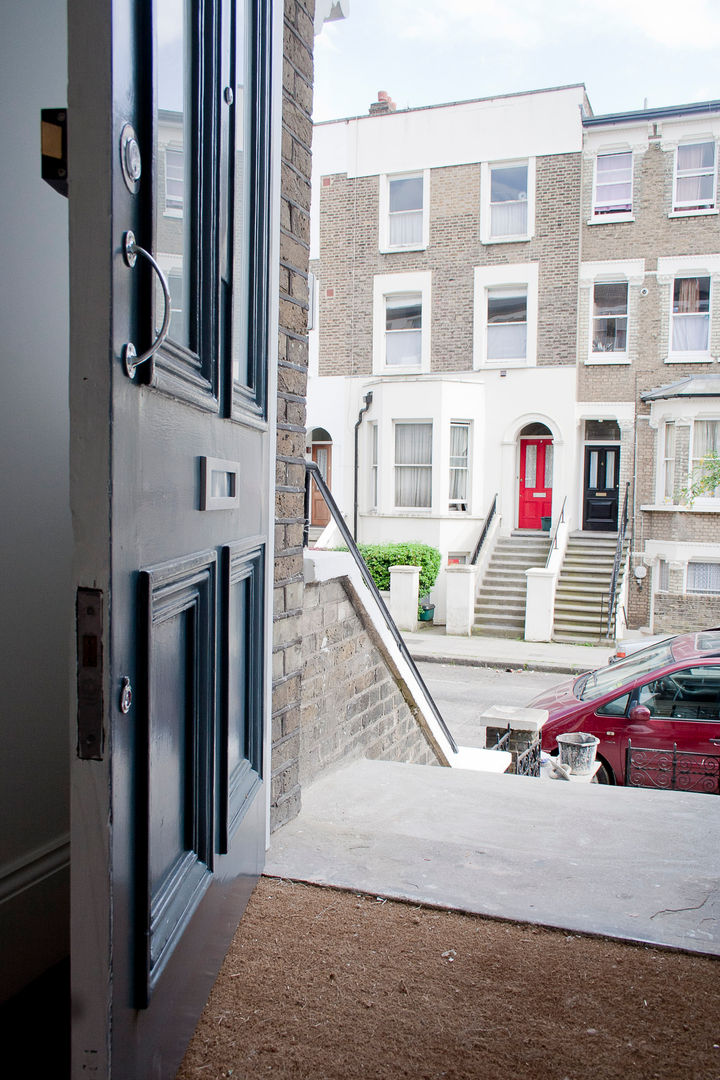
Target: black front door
[[600, 499], [170, 136]]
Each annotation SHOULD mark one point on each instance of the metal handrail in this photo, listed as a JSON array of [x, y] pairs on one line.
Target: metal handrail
[[612, 597], [483, 534], [312, 472], [553, 544]]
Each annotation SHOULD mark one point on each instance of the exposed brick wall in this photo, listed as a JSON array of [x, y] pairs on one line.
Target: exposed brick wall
[[292, 380], [352, 706], [675, 614], [350, 259]]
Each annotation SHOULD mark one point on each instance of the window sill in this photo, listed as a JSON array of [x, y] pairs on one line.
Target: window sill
[[689, 358], [500, 365], [489, 240], [607, 358], [610, 219], [677, 508], [691, 213], [387, 250], [401, 371]]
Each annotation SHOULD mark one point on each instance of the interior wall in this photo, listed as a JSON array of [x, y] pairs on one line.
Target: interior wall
[[35, 538]]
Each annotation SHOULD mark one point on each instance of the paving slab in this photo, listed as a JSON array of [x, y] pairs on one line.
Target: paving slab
[[629, 863]]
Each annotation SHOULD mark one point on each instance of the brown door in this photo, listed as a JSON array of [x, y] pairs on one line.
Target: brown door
[[322, 456]]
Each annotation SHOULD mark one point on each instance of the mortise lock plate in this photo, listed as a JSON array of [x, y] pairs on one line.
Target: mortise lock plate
[[89, 615]]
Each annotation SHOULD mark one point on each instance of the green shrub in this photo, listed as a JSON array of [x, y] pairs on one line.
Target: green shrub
[[380, 557]]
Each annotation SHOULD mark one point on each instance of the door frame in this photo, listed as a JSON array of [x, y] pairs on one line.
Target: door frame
[[594, 444], [328, 480], [546, 439], [97, 39]]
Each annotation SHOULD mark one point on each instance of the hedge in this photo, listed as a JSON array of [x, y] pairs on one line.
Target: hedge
[[380, 557]]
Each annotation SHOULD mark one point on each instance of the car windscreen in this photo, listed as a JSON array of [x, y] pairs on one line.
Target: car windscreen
[[603, 681]]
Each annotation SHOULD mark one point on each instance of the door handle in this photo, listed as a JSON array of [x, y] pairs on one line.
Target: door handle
[[131, 360], [716, 741]]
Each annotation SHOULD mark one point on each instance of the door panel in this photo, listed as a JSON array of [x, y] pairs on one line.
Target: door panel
[[169, 830], [601, 488], [536, 465]]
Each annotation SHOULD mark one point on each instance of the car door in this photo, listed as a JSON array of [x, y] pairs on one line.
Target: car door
[[170, 130]]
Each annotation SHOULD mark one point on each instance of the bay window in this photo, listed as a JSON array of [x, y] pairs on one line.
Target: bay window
[[669, 461], [705, 440], [413, 464], [691, 314], [695, 177], [459, 462]]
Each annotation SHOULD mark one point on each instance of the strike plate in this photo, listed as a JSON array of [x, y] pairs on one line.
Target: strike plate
[[90, 674]]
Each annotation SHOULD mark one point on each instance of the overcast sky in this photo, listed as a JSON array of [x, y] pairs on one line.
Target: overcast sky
[[424, 52]]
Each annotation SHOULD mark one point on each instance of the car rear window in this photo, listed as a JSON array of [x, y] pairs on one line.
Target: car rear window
[[605, 680], [709, 641]]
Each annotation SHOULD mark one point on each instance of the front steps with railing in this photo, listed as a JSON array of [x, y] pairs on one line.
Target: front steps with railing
[[500, 601], [581, 597]]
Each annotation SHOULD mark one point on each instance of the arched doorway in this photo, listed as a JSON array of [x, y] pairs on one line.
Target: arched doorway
[[321, 454], [536, 477]]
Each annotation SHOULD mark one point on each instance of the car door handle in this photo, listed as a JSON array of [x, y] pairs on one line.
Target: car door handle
[[716, 741]]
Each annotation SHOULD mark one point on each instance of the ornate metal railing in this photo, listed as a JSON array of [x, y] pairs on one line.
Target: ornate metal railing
[[672, 770], [528, 762], [312, 473], [554, 541], [483, 534]]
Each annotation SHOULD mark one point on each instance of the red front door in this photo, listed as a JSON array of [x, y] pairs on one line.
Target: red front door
[[536, 466]]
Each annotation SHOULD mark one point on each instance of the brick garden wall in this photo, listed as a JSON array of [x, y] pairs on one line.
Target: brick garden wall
[[352, 705], [675, 614], [292, 381]]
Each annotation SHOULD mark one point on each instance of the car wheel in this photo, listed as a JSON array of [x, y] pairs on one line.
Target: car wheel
[[604, 775]]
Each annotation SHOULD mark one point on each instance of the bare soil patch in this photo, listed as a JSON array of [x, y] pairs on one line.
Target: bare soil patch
[[329, 984]]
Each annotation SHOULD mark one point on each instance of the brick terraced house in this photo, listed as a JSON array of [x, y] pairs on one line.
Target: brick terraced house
[[499, 288]]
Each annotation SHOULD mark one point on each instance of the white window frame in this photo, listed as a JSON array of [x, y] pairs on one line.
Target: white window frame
[[384, 211], [668, 460], [685, 266], [614, 355], [684, 211], [680, 355], [609, 272], [174, 210], [702, 592], [389, 285], [522, 275], [456, 509], [486, 209], [374, 466], [607, 217], [417, 465], [702, 500]]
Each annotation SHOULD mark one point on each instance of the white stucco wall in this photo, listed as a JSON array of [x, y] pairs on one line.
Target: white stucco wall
[[497, 406]]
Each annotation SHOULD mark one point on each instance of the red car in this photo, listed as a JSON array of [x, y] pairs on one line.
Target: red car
[[663, 702]]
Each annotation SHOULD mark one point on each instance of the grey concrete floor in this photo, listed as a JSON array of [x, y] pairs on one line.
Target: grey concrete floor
[[628, 863]]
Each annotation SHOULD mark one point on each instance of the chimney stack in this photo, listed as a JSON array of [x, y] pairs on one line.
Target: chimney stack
[[384, 104]]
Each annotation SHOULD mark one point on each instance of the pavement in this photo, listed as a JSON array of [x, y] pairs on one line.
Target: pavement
[[431, 644], [627, 863]]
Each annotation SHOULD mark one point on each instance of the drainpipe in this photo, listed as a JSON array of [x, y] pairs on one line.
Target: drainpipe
[[368, 402]]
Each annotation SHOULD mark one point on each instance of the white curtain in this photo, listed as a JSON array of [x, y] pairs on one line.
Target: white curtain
[[507, 341], [690, 333], [459, 449], [402, 347], [413, 465], [697, 189], [509, 218], [703, 577], [406, 228]]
